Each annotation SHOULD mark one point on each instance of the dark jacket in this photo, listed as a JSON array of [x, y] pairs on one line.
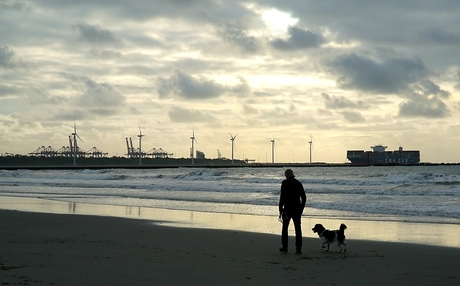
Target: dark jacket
[[292, 196]]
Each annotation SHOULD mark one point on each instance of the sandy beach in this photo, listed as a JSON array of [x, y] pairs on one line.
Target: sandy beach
[[63, 249]]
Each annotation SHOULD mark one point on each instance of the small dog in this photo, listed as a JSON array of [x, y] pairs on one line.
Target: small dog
[[330, 236]]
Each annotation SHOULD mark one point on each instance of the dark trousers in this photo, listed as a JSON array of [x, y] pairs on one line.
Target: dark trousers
[[298, 231]]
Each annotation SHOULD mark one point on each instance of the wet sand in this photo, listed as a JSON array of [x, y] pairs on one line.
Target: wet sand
[[106, 249], [56, 249]]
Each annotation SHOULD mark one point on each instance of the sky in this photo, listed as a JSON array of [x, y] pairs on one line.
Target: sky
[[344, 75]]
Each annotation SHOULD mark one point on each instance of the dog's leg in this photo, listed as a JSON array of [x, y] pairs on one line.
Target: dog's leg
[[344, 244], [323, 245]]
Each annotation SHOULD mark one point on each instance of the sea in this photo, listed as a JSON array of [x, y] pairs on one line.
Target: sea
[[420, 194]]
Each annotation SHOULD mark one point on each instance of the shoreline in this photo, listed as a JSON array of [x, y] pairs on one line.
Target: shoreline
[[434, 234], [175, 166], [60, 163]]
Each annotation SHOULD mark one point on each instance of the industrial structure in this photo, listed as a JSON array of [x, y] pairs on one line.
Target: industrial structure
[[68, 151], [152, 153], [73, 151], [200, 155]]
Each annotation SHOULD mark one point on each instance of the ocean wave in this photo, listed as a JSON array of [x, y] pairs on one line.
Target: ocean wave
[[200, 174], [406, 192], [424, 178]]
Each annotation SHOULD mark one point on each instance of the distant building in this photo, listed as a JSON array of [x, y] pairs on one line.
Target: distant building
[[200, 155]]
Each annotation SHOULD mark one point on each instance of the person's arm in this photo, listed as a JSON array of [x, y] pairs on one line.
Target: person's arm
[[281, 202], [303, 197]]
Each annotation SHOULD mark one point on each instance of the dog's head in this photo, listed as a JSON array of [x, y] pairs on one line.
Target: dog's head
[[318, 228]]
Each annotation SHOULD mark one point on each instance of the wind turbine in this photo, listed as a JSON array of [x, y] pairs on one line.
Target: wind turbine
[[232, 138], [192, 151], [273, 150], [75, 136], [310, 142], [140, 145]]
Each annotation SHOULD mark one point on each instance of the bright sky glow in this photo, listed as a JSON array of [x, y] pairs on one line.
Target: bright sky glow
[[278, 22]]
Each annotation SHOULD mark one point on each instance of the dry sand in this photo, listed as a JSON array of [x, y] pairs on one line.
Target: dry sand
[[58, 249]]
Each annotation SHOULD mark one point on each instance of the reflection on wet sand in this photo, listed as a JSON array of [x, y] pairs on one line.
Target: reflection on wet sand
[[432, 234]]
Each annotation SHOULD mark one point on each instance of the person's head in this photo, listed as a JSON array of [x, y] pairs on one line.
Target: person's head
[[289, 173]]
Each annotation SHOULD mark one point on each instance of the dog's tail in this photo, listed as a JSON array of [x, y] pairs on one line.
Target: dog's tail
[[342, 228]]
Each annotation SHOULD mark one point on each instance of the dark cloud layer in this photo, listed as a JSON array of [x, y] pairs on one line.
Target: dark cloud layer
[[340, 102], [187, 86], [14, 5], [353, 116], [427, 101], [421, 106], [239, 37], [299, 39], [94, 34], [442, 36], [386, 76], [7, 59]]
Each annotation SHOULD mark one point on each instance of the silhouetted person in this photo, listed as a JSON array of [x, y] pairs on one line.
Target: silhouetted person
[[291, 205]]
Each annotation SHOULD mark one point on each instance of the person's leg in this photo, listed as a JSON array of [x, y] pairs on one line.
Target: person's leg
[[284, 234], [298, 232]]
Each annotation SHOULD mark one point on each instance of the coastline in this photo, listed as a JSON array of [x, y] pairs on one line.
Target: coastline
[[22, 162], [435, 234], [57, 249]]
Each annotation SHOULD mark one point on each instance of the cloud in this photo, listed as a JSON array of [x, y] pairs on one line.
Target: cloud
[[179, 114], [340, 102], [239, 37], [7, 59], [101, 95], [8, 90], [94, 34], [104, 54], [299, 39], [422, 106], [98, 98], [4, 4], [427, 87], [249, 110], [441, 36], [386, 77], [42, 96], [23, 121], [353, 116], [457, 86], [426, 101], [187, 86]]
